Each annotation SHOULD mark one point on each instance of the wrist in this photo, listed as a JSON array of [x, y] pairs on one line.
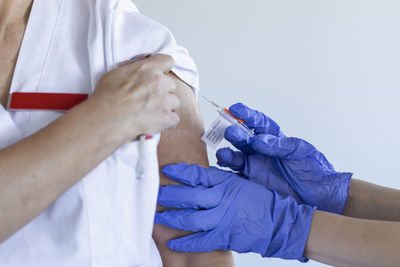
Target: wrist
[[339, 193], [100, 124], [294, 227]]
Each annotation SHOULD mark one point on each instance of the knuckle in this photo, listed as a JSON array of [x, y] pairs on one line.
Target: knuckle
[[143, 66], [147, 77], [169, 60], [165, 60], [158, 81], [161, 83]]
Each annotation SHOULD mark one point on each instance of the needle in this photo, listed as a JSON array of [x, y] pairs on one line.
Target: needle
[[225, 113], [210, 102]]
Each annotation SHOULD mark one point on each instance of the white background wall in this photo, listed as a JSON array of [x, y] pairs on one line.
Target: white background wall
[[327, 71]]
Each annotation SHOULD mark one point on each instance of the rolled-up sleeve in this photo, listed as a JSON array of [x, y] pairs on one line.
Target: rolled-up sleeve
[[132, 33]]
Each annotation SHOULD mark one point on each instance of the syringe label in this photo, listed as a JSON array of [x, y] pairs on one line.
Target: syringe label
[[215, 133]]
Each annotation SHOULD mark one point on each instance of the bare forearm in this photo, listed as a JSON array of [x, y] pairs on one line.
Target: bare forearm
[[344, 241], [35, 171], [370, 201], [183, 144]]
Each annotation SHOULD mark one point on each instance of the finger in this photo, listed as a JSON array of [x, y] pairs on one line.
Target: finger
[[198, 242], [188, 219], [239, 138], [261, 123], [162, 62], [231, 159], [164, 84], [289, 148], [140, 57], [187, 197], [195, 175], [159, 84], [171, 84], [171, 102], [136, 58], [172, 120], [175, 102]]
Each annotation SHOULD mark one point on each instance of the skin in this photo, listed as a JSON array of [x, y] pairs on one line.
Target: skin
[[344, 241], [370, 201], [367, 235], [183, 144], [134, 99]]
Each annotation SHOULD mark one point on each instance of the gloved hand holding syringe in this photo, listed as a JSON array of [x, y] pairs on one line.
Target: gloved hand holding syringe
[[215, 134]]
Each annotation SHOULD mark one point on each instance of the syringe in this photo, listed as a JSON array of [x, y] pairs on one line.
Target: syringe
[[224, 112]]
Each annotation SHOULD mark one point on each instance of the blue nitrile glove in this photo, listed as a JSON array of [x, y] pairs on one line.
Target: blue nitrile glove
[[231, 213], [283, 163]]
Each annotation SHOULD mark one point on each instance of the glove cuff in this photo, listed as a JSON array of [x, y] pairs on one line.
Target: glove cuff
[[292, 229], [347, 181], [307, 227], [338, 196]]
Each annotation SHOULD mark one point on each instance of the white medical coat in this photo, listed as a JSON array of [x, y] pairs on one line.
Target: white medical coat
[[106, 219]]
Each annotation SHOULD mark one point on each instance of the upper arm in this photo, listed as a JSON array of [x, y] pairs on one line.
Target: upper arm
[[134, 34], [183, 144]]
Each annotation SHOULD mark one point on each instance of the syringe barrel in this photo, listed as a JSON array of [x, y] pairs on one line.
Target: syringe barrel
[[233, 120]]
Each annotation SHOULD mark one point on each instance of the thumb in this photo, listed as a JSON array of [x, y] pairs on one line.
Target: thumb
[[231, 159], [198, 242]]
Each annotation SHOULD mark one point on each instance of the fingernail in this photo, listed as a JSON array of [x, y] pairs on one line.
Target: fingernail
[[141, 57]]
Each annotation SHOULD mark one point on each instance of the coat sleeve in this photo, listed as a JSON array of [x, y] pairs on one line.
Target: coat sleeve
[[131, 33], [9, 133]]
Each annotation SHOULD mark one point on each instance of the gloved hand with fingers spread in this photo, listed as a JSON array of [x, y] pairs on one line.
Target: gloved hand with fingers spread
[[231, 213], [288, 165]]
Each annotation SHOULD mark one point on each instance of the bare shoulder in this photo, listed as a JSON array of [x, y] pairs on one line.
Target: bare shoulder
[[189, 110]]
